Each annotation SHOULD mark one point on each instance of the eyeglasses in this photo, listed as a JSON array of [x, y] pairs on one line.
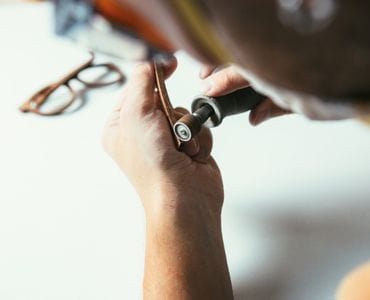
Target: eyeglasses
[[57, 97]]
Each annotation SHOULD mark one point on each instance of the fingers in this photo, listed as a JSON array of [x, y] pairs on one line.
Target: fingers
[[220, 81], [205, 143], [265, 111], [206, 70], [140, 86], [169, 63], [138, 92], [224, 81]]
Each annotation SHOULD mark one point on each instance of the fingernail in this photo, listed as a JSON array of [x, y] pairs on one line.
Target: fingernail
[[260, 117], [203, 73], [206, 86]]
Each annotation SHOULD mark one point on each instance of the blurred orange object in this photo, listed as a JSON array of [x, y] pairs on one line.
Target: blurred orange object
[[127, 17]]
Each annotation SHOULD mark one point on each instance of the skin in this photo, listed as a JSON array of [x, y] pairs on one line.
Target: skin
[[355, 286], [218, 82], [182, 225], [185, 257], [182, 192]]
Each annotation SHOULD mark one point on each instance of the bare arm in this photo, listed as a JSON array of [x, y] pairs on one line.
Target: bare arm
[[185, 257], [181, 192]]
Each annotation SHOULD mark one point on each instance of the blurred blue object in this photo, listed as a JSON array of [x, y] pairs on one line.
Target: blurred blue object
[[71, 13], [78, 20]]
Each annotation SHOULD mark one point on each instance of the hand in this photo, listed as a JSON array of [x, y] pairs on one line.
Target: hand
[[221, 81], [355, 286], [138, 138]]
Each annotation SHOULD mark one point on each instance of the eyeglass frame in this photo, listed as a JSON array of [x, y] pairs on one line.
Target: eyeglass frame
[[37, 100]]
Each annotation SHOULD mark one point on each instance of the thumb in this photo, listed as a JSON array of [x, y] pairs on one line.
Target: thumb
[[138, 92], [141, 85], [224, 81]]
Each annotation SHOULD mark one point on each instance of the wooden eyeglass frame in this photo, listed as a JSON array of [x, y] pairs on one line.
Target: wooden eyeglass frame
[[35, 103], [165, 102]]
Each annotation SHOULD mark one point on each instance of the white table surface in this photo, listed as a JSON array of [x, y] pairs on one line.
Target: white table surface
[[296, 215]]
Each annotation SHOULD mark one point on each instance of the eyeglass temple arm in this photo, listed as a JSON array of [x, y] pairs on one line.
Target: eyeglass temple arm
[[40, 97]]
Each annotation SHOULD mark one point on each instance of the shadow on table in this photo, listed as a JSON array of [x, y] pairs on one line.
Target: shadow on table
[[311, 250]]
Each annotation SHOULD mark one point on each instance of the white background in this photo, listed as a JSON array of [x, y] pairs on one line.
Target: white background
[[296, 215]]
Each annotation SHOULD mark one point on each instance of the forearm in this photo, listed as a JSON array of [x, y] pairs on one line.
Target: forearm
[[185, 257]]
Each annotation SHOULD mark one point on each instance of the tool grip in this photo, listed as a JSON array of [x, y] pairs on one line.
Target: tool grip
[[234, 103], [239, 101]]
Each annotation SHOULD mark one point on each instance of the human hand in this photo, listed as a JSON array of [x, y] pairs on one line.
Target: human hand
[[355, 286], [138, 138], [220, 81]]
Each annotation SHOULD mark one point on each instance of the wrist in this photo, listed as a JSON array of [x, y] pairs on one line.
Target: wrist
[[184, 246], [173, 206], [185, 223], [177, 196]]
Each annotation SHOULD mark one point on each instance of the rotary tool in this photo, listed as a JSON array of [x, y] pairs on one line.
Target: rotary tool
[[210, 111]]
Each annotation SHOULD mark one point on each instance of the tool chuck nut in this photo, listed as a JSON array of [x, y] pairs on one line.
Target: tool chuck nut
[[187, 127]]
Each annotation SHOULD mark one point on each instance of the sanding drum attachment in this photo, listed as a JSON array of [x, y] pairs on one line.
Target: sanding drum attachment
[[210, 111]]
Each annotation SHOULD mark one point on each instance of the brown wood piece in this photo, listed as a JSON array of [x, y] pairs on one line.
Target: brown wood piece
[[165, 102], [35, 103], [127, 15]]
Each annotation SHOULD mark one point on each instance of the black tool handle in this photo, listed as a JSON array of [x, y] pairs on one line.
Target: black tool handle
[[237, 102]]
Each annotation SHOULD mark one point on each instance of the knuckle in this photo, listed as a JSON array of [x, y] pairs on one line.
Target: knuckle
[[228, 79]]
